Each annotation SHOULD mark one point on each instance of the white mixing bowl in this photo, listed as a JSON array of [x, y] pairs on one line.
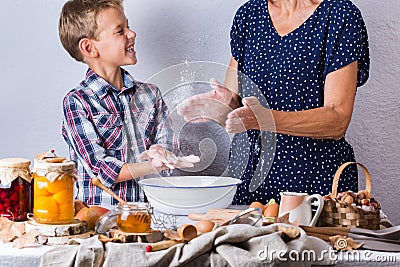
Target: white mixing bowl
[[181, 195]]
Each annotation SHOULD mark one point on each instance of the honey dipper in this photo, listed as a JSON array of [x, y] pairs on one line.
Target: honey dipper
[[97, 182], [185, 233]]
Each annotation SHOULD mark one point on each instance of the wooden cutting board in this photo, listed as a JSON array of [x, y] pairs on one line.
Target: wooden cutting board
[[75, 228], [59, 234], [150, 237]]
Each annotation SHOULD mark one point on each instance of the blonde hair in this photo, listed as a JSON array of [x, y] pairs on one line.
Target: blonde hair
[[78, 20]]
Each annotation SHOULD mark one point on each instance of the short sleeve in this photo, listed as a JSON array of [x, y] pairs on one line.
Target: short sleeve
[[348, 42], [237, 35]]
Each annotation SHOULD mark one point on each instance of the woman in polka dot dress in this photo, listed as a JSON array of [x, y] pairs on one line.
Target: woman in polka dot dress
[[307, 58]]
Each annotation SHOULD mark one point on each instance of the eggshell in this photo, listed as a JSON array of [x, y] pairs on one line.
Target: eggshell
[[187, 232], [204, 226]]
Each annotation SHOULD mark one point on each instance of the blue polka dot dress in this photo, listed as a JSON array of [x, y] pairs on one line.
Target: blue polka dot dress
[[290, 71]]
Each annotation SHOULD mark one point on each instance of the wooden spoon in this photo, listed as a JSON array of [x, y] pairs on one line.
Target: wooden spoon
[[97, 182]]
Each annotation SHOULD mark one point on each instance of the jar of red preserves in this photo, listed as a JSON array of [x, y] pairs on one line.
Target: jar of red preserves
[[53, 191], [15, 188]]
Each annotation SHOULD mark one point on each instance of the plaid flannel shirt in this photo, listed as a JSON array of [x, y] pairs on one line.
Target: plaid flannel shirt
[[105, 128]]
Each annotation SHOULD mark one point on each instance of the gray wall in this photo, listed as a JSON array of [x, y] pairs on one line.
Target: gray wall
[[374, 129], [36, 72]]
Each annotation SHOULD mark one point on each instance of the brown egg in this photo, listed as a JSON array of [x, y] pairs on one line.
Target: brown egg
[[272, 210], [257, 204], [204, 226]]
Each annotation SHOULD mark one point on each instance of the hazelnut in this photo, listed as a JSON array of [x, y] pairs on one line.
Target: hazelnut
[[365, 201], [374, 204], [361, 195], [327, 197], [365, 193]]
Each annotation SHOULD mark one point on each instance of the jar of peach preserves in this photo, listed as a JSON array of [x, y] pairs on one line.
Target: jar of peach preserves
[[15, 188], [53, 192]]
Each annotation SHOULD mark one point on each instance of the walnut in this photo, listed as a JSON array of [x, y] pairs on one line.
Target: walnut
[[348, 199]]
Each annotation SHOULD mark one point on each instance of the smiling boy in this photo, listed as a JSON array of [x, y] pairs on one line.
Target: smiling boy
[[111, 121]]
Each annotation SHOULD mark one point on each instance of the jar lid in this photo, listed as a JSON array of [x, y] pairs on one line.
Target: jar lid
[[12, 168], [134, 206], [53, 171], [106, 222], [67, 166], [18, 163]]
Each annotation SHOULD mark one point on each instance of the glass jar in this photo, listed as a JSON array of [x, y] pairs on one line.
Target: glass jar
[[134, 217], [53, 192], [15, 188]]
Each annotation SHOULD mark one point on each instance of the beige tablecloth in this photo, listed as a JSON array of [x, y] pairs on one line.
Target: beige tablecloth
[[234, 245]]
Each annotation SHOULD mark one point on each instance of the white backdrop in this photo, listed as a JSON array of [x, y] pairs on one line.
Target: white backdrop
[[36, 72]]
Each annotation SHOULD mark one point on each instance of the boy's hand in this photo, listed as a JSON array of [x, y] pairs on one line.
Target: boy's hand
[[161, 158], [213, 105]]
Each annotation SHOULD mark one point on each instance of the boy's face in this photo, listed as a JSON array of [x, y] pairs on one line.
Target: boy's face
[[115, 43]]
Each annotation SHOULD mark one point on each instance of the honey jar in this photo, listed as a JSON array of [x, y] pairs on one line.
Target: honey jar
[[15, 188], [53, 192], [134, 217]]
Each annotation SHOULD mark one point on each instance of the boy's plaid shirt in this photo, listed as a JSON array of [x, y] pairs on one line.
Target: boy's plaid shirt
[[105, 128]]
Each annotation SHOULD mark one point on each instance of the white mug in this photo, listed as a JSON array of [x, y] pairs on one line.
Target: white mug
[[298, 206]]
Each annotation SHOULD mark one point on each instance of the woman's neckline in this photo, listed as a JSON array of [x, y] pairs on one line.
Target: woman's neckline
[[295, 29]]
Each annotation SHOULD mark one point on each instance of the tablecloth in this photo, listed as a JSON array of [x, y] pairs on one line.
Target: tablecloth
[[234, 245]]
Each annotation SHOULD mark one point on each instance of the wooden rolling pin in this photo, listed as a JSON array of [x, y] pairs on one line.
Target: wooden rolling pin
[[330, 231], [215, 214], [325, 232]]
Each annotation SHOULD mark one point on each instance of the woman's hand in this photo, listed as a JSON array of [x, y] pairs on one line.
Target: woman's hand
[[213, 105], [251, 116]]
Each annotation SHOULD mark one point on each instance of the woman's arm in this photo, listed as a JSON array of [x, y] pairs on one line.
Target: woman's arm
[[331, 120], [231, 82], [327, 122]]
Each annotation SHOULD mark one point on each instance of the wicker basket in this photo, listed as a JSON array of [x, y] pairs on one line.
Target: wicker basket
[[340, 214]]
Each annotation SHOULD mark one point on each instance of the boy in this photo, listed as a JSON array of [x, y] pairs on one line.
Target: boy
[[110, 120]]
